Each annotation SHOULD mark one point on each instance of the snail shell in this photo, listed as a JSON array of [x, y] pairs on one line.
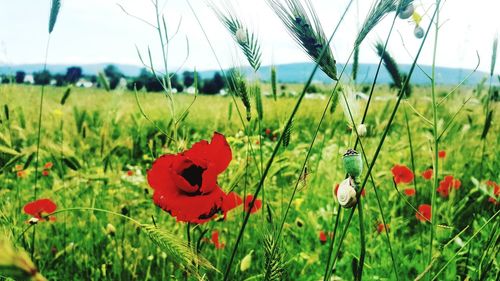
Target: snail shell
[[346, 194], [407, 12], [418, 32], [241, 36]]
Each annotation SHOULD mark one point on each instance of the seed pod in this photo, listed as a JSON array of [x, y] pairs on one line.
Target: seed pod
[[407, 12], [353, 164], [418, 32], [346, 194]]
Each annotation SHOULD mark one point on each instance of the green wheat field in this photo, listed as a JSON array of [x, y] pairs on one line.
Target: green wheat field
[[259, 183]]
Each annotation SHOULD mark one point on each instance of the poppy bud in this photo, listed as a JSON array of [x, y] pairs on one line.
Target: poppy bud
[[406, 12], [418, 32], [241, 36], [346, 194], [353, 164]]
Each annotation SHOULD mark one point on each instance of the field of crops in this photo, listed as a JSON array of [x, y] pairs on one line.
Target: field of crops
[[96, 150], [133, 178]]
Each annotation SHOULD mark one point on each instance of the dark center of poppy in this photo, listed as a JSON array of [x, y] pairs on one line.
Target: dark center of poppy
[[193, 175]]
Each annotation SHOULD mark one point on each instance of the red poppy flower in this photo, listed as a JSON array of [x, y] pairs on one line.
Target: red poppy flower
[[252, 209], [410, 192], [40, 209], [492, 201], [427, 174], [442, 154], [48, 165], [322, 237], [495, 186], [402, 174], [424, 213], [45, 173], [447, 184], [215, 240], [185, 184], [380, 227], [19, 167], [268, 131], [21, 174], [130, 173]]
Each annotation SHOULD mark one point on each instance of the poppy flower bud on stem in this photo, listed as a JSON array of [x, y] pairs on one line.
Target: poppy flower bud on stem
[[353, 164]]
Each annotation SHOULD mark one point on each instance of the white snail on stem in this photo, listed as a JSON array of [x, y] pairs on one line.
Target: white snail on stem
[[346, 194], [241, 36]]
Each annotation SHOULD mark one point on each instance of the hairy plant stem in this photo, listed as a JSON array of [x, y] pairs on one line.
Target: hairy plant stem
[[362, 242], [434, 131]]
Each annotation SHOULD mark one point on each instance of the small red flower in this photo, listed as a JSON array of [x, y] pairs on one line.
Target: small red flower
[[322, 237], [45, 173], [215, 240], [447, 184], [402, 174], [130, 173], [268, 131], [492, 201], [19, 167], [252, 209], [185, 184], [424, 213], [380, 227], [442, 154], [41, 209], [495, 186], [410, 192], [427, 174], [21, 174], [48, 165]]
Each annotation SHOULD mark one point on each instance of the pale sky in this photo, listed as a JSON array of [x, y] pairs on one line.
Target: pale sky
[[97, 31]]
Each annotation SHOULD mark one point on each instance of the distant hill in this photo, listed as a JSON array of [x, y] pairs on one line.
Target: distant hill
[[287, 73]]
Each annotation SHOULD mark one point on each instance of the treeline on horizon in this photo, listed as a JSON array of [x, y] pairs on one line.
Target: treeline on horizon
[[146, 80]]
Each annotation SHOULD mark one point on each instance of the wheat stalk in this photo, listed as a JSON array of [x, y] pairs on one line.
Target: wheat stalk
[[54, 11], [376, 14], [247, 40], [304, 26], [177, 249], [275, 260], [238, 87]]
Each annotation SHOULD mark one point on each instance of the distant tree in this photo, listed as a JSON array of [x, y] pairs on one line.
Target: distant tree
[[218, 81], [114, 75], [73, 74], [91, 78], [60, 80], [6, 79], [174, 80], [188, 78], [42, 77], [20, 75]]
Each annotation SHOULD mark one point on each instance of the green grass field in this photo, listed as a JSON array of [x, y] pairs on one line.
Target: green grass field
[[101, 147]]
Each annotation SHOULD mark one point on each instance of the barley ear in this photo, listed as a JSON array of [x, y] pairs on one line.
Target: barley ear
[[54, 11], [177, 249]]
